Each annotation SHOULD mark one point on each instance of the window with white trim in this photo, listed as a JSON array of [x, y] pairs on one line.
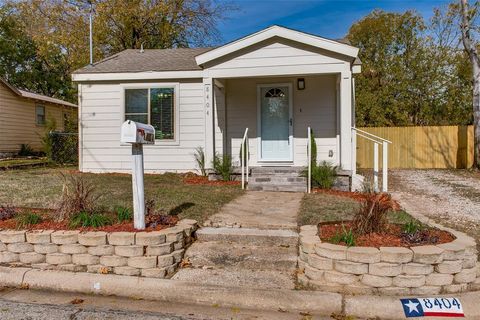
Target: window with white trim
[[40, 115], [155, 106]]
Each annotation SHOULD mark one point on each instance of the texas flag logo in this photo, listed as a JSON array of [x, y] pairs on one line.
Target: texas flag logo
[[432, 307]]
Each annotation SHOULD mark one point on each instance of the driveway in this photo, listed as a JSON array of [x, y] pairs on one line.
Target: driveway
[[450, 197]]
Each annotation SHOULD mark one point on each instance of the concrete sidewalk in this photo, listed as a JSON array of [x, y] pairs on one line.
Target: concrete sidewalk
[[291, 301]]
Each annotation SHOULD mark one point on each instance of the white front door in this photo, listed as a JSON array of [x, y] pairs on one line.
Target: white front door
[[275, 122]]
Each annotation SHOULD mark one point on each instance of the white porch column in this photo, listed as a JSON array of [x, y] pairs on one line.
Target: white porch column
[[345, 120], [209, 134]]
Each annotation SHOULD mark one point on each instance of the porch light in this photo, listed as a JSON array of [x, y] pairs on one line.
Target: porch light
[[300, 83]]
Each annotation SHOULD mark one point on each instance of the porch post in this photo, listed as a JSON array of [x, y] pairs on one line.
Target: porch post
[[209, 135], [346, 120]]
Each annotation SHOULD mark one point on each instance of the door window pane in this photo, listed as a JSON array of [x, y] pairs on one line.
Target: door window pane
[[162, 112]]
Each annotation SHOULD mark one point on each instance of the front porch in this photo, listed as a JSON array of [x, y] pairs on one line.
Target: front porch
[[278, 112]]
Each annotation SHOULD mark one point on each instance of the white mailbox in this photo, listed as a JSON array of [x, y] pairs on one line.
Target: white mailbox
[[136, 132]]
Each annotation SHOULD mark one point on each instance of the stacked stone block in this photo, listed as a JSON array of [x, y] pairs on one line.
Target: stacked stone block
[[148, 254], [430, 269]]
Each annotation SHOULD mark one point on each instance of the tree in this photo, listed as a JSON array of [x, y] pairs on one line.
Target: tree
[[468, 15], [57, 32], [22, 66], [411, 73]]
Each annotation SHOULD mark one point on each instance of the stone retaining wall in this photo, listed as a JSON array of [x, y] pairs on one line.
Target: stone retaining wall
[[431, 269], [148, 254]]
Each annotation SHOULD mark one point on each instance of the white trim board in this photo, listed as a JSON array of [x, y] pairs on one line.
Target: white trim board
[[277, 31]]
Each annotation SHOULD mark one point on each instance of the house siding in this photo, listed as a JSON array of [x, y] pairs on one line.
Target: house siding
[[315, 107], [278, 57], [18, 124], [101, 116]]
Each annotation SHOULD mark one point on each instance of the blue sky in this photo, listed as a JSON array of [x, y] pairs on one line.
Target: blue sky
[[327, 18]]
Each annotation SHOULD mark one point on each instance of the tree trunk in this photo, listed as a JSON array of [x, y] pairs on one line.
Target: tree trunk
[[471, 49]]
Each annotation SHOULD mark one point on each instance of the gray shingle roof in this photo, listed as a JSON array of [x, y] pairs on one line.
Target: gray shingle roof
[[35, 96], [132, 60]]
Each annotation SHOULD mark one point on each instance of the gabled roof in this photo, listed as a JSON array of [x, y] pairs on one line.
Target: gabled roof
[[282, 32], [35, 96], [134, 60]]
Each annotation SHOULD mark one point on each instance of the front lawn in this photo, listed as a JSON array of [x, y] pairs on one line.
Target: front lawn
[[322, 207], [42, 188]]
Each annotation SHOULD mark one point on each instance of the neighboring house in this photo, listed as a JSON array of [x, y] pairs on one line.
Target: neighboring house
[[23, 116], [276, 83]]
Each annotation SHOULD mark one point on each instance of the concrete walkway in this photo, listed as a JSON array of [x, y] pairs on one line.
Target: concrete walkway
[[262, 210], [253, 244]]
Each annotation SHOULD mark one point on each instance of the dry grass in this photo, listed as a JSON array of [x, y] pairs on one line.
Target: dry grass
[[319, 207], [42, 188], [372, 215]]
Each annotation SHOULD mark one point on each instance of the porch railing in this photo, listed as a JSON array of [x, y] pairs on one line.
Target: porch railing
[[376, 140], [244, 155], [309, 156]]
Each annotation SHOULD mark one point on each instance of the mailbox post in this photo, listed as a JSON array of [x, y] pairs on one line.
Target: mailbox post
[[138, 134]]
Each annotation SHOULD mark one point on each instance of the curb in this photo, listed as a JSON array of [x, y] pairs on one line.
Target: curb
[[314, 302], [172, 290]]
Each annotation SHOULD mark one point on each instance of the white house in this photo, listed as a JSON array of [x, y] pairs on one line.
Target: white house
[[276, 82]]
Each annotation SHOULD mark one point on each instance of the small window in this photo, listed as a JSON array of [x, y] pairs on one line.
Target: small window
[[40, 115], [155, 106]]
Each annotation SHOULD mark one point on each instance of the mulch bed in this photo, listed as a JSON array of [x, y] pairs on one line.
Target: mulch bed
[[391, 237], [201, 180], [154, 223], [357, 196]]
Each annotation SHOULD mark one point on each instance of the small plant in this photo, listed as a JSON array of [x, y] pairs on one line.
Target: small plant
[[78, 195], [323, 175], [6, 212], [313, 153], [86, 219], [150, 206], [223, 166], [346, 236], [411, 227], [26, 150], [28, 219], [372, 215], [124, 214], [200, 160]]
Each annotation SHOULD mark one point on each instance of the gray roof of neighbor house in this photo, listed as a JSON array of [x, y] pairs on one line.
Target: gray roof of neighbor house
[[35, 96], [132, 60]]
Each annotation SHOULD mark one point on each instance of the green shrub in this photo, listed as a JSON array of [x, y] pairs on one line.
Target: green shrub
[[313, 154], [223, 166], [123, 214], [26, 150], [28, 219], [346, 236], [324, 175], [411, 227], [200, 160], [87, 219]]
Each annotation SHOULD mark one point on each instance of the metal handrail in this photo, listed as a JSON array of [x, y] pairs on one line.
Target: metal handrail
[[309, 156], [376, 142], [371, 135], [244, 157]]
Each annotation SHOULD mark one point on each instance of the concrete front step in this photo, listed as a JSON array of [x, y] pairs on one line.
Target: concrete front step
[[219, 254], [276, 170], [249, 236], [277, 179], [277, 187], [260, 279]]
